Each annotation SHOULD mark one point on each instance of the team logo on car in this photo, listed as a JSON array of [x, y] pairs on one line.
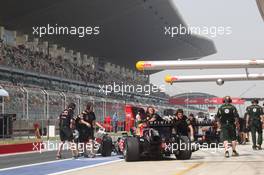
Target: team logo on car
[[254, 109], [227, 111]]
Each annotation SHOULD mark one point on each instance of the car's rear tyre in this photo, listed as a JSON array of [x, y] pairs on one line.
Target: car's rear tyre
[[185, 152], [131, 151], [106, 146]]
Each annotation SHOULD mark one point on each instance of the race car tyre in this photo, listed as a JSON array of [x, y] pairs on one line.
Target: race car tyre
[[106, 147], [131, 151], [185, 151]]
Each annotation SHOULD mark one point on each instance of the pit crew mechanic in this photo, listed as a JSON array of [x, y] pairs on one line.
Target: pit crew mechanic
[[142, 117], [254, 121], [246, 128], [241, 130], [184, 126], [151, 114], [87, 123], [226, 116], [66, 123], [140, 121], [193, 123]]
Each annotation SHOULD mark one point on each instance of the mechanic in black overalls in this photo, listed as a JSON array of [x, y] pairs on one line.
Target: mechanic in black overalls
[[86, 129], [66, 124], [151, 115], [184, 126], [193, 123]]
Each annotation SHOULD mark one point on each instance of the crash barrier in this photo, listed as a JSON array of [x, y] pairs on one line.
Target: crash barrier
[[23, 147]]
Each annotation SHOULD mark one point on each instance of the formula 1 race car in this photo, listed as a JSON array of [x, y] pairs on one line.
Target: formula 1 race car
[[156, 140], [102, 139], [207, 132], [106, 143]]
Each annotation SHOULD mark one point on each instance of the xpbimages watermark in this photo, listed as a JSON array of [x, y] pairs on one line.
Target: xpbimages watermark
[[181, 146], [80, 31], [211, 31], [54, 146], [130, 88]]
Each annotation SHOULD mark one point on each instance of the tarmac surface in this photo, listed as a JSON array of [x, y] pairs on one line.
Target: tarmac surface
[[203, 162]]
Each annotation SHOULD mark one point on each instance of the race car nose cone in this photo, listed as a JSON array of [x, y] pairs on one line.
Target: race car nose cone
[[140, 65]]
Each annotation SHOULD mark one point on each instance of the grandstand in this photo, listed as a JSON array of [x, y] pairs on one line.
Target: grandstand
[[39, 58], [42, 76], [129, 29], [42, 81]]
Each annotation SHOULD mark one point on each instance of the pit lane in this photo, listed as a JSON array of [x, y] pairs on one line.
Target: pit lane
[[203, 162]]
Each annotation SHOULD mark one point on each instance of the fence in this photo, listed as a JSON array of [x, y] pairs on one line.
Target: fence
[[33, 105], [37, 106]]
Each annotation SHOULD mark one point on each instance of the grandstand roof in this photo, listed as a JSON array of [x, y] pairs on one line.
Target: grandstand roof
[[131, 30], [194, 95]]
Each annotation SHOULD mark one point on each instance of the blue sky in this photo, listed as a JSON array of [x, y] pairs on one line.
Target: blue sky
[[245, 42]]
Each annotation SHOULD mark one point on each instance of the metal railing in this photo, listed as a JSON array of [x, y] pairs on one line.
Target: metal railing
[[42, 107], [34, 105]]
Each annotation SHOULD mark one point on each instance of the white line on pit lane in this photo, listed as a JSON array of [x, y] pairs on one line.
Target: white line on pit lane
[[41, 163], [21, 153], [29, 165], [88, 166], [89, 159]]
